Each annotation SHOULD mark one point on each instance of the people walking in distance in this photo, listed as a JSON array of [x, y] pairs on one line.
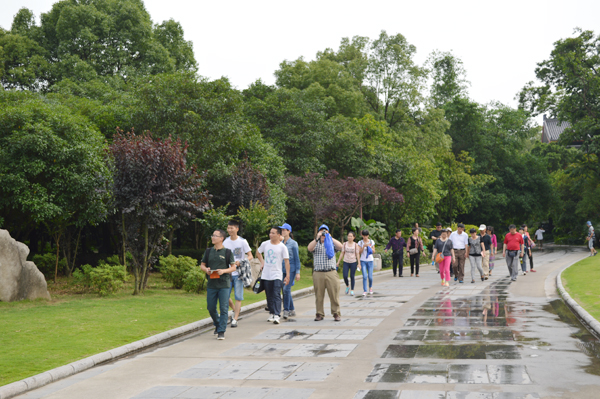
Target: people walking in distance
[[511, 250], [443, 247], [275, 253], [414, 247], [349, 256], [218, 262], [528, 246], [493, 254], [241, 252], [420, 229], [476, 253], [523, 259], [460, 243], [435, 235], [367, 249], [590, 239], [292, 247], [397, 245], [325, 277], [539, 236], [486, 240]]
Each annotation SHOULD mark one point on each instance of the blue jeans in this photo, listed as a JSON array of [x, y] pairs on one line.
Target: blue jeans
[[367, 271], [288, 303], [237, 286], [350, 267], [212, 296]]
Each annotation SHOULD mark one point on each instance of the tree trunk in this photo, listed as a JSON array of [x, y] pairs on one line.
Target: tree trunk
[[171, 242], [57, 238]]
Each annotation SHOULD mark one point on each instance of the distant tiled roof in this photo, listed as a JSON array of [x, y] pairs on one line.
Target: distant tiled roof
[[553, 128]]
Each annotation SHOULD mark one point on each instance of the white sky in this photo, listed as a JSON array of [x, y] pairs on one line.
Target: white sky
[[499, 42]]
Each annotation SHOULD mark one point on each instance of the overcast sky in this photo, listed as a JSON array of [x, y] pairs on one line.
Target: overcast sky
[[499, 42]]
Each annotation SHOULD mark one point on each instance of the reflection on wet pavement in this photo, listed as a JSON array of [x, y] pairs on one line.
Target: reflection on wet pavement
[[483, 351], [405, 394], [450, 373]]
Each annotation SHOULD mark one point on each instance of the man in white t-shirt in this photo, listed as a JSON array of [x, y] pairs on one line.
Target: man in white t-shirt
[[241, 251], [460, 244], [275, 253], [539, 236]]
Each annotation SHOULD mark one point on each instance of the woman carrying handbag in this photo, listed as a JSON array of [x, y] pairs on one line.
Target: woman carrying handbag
[[415, 247]]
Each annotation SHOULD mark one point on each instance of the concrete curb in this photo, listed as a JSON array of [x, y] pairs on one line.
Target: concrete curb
[[50, 376], [590, 322]]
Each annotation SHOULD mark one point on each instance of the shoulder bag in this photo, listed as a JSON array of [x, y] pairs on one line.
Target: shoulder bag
[[439, 257]]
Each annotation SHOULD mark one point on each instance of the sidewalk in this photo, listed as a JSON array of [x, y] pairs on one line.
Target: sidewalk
[[412, 339]]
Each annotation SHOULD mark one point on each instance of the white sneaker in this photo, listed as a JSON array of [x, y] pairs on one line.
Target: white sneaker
[[524, 273], [271, 318], [233, 323], [276, 319], [286, 314]]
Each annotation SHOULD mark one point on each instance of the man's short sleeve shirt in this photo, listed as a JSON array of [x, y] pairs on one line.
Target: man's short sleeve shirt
[[273, 254], [321, 262], [216, 259], [239, 248], [459, 241], [513, 241]]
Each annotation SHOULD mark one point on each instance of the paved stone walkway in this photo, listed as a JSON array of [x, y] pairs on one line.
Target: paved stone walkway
[[411, 339]]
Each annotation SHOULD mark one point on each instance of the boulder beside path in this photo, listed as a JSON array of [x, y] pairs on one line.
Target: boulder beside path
[[19, 278]]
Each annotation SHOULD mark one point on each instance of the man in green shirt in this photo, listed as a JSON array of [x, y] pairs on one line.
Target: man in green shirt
[[218, 262]]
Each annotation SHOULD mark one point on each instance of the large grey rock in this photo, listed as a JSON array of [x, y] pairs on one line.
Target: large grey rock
[[19, 279]]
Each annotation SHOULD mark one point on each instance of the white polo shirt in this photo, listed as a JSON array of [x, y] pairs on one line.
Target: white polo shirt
[[459, 241]]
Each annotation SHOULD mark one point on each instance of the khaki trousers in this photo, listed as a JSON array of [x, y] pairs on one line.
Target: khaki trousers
[[486, 264], [459, 265], [329, 281]]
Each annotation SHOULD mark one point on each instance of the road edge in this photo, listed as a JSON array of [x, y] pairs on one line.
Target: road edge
[[590, 321], [48, 377]]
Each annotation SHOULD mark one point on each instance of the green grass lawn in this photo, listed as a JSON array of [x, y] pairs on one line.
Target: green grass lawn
[[36, 336], [581, 282]]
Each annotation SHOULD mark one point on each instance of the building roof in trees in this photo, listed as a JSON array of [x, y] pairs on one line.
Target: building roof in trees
[[552, 129]]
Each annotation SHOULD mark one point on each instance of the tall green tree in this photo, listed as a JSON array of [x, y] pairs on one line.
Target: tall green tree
[[52, 170]]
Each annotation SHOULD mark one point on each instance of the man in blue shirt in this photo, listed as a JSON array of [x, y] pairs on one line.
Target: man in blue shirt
[[292, 246]]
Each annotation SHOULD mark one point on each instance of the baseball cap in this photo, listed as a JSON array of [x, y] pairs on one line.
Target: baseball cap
[[589, 223], [324, 226], [482, 227], [286, 226]]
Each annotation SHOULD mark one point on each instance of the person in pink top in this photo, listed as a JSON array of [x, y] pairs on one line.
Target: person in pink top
[[350, 254]]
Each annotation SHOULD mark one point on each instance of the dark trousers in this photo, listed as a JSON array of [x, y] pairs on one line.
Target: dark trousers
[[414, 263], [350, 267], [273, 291], [398, 262], [222, 296], [530, 260]]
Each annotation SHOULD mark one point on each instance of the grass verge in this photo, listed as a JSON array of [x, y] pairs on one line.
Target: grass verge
[[581, 282]]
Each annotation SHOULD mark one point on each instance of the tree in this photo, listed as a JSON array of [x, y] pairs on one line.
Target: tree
[[52, 170], [570, 89], [82, 40], [394, 81], [154, 191], [256, 220], [449, 78]]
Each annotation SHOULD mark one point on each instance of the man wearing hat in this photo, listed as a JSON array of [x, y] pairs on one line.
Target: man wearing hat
[[486, 240], [292, 246], [325, 276], [590, 238]]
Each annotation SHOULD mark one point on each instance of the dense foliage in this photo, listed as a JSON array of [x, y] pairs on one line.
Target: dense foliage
[[362, 131]]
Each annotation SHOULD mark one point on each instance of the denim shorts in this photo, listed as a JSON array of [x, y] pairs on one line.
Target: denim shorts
[[237, 285]]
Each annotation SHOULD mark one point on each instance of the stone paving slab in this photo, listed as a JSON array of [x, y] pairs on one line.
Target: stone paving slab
[[321, 334], [188, 392], [449, 373], [406, 394]]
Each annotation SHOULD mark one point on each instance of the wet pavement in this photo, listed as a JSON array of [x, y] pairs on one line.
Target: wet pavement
[[412, 339]]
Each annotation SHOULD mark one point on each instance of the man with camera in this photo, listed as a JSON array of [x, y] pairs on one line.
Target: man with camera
[[325, 276]]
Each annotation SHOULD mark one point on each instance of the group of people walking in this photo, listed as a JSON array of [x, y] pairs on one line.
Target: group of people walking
[[228, 269]]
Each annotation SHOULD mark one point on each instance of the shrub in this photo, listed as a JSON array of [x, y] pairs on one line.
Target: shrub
[[107, 279], [174, 268], [46, 264], [194, 279], [82, 276], [104, 279], [306, 258]]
